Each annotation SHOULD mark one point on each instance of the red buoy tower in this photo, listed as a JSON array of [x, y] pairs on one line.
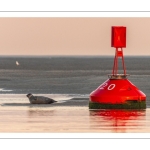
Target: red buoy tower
[[117, 92]]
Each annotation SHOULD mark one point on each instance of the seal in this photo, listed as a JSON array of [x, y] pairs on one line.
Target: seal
[[39, 99]]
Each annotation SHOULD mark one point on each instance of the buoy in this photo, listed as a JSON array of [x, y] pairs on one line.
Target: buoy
[[117, 92]]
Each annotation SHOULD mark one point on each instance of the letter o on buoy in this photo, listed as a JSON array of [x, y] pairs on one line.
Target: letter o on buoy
[[111, 86]]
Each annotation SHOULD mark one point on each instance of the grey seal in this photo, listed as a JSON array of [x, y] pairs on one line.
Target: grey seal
[[39, 99]]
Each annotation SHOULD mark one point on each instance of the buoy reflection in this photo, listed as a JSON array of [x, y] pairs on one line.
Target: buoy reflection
[[116, 120]]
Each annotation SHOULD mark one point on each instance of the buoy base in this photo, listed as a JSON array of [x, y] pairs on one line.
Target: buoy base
[[130, 104]]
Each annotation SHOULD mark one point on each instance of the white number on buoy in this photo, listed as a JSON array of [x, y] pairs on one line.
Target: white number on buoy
[[104, 85], [111, 86]]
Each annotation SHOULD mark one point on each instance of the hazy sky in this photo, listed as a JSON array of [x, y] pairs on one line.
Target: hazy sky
[[71, 36]]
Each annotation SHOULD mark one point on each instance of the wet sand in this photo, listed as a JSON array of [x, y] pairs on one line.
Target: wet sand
[[70, 115]]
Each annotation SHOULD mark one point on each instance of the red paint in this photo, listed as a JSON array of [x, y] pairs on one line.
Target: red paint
[[118, 36], [119, 53], [116, 91]]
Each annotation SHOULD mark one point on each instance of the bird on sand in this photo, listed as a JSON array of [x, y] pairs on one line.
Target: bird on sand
[[39, 99]]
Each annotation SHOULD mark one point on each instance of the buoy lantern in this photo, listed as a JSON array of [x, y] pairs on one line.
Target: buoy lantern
[[117, 92]]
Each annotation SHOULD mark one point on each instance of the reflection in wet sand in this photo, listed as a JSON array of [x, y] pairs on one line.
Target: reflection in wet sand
[[38, 113], [71, 116], [117, 120]]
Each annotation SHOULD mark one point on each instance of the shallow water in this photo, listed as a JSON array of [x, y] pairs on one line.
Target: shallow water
[[18, 116]]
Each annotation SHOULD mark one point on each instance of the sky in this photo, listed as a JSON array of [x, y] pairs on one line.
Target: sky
[[71, 35]]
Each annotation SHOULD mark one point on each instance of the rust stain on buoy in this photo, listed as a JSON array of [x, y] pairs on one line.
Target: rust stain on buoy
[[117, 92]]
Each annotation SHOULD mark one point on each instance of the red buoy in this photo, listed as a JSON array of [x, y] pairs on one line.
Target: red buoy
[[117, 91]]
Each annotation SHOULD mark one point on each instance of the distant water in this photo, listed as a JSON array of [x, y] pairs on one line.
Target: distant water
[[67, 75]]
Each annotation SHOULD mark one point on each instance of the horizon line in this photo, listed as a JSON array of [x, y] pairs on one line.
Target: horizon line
[[71, 55]]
